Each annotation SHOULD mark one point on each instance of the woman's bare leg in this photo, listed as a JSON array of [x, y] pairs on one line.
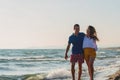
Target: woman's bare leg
[[91, 68]]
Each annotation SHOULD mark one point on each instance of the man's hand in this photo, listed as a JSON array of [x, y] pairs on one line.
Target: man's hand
[[66, 56], [67, 49]]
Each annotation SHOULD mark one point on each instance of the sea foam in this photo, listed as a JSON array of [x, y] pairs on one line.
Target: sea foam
[[59, 74]]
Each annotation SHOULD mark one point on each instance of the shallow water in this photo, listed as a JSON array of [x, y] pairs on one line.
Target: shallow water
[[15, 63]]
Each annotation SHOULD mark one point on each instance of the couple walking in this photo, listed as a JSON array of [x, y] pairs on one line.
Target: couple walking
[[83, 47]]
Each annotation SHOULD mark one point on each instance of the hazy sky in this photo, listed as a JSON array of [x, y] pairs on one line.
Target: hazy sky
[[48, 23]]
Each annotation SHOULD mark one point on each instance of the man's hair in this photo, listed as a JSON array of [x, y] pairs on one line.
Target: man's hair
[[76, 25]]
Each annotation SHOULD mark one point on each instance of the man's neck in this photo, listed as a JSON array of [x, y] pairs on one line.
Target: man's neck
[[76, 33]]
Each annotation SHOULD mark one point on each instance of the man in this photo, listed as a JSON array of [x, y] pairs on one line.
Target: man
[[76, 39]]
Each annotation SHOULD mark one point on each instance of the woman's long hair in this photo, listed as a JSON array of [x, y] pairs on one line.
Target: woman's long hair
[[92, 33]]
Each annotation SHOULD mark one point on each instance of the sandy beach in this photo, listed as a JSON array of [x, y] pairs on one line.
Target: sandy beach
[[115, 76]]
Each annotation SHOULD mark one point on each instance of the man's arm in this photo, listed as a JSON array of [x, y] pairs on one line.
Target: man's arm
[[67, 49]]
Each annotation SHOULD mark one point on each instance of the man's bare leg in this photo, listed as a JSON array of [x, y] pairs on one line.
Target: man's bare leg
[[73, 70], [79, 70]]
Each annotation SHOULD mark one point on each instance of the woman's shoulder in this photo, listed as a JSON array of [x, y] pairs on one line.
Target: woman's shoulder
[[86, 36]]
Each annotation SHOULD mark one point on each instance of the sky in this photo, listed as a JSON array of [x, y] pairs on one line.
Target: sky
[[49, 23]]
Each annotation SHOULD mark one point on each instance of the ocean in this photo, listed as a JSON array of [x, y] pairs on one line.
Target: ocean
[[49, 64]]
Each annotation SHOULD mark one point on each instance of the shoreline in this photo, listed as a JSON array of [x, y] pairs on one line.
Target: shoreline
[[40, 76]]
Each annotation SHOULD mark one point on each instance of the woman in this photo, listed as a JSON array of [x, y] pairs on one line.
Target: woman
[[90, 48]]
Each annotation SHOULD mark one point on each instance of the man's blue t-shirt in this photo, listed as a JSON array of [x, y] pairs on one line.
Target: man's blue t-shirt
[[77, 42]]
